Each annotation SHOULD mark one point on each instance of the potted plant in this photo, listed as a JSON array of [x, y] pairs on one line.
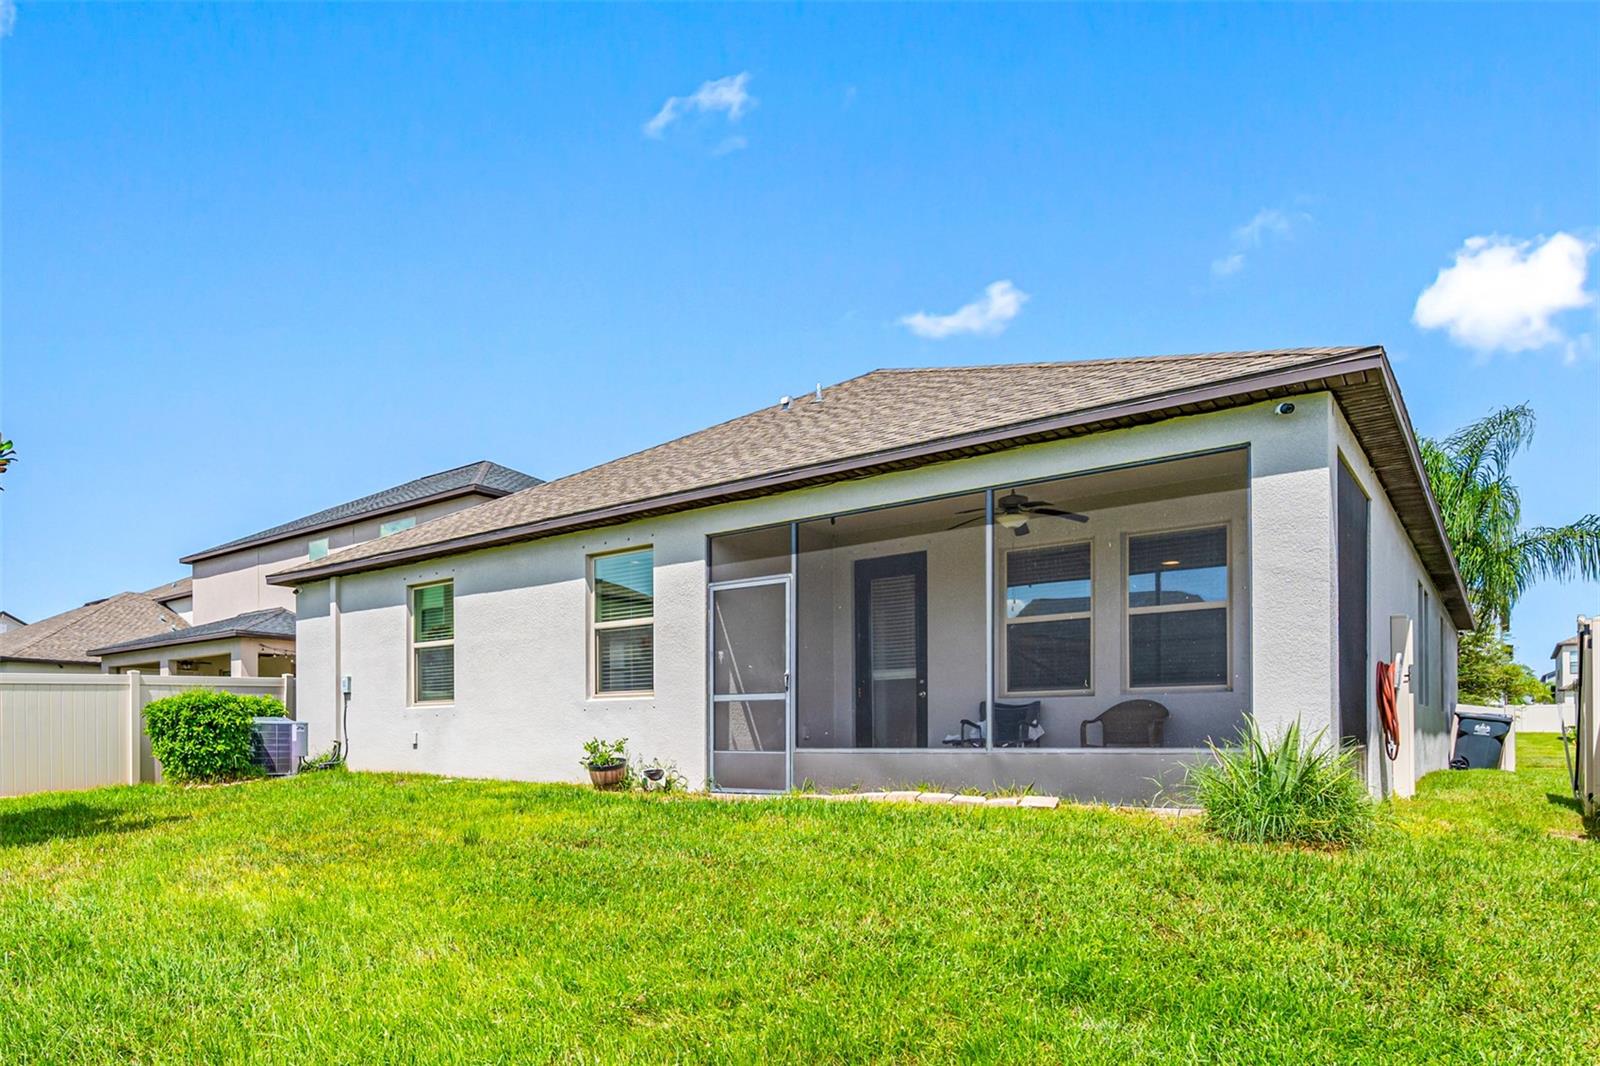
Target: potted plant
[[606, 761]]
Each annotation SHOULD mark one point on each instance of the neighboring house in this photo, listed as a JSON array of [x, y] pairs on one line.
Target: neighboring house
[[243, 627], [1564, 678], [63, 642], [176, 596], [817, 592], [9, 621]]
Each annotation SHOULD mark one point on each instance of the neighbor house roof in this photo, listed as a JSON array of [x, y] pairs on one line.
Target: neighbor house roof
[[482, 479], [1570, 642], [172, 590], [7, 616], [272, 622], [897, 419], [69, 636]]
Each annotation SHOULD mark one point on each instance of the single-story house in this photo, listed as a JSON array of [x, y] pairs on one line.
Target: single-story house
[[1070, 575], [64, 642]]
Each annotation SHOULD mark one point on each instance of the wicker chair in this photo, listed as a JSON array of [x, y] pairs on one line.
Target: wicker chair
[[1130, 724]]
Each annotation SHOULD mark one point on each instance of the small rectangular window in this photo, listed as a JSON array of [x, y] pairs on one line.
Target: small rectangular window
[[398, 525], [1047, 620], [1420, 649], [623, 621], [1178, 599], [433, 643], [318, 549]]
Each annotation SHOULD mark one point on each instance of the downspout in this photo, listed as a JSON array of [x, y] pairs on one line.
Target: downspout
[[338, 663]]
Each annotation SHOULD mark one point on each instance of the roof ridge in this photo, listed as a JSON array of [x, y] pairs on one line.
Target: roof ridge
[[1123, 359]]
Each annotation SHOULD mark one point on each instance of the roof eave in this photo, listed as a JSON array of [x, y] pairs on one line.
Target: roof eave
[[472, 489], [38, 659], [1232, 392], [145, 643]]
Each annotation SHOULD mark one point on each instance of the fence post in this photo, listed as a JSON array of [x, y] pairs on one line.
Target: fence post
[[1588, 726], [133, 726], [288, 694]]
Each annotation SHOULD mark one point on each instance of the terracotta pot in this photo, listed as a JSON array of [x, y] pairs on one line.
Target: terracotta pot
[[607, 776]]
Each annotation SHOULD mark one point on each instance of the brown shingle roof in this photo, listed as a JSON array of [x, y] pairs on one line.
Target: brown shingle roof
[[172, 590], [67, 637], [887, 419]]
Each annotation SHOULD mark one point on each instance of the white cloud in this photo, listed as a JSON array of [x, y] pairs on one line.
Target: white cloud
[[725, 94], [1268, 224], [730, 144], [989, 314], [1501, 294]]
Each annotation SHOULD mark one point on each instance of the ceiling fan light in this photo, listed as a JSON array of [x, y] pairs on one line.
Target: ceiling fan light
[[1011, 519]]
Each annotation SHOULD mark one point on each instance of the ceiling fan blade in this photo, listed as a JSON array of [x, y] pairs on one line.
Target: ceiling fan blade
[[965, 522], [1056, 512], [1022, 530], [969, 510]]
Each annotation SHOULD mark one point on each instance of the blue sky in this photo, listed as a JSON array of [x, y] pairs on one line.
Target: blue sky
[[260, 260]]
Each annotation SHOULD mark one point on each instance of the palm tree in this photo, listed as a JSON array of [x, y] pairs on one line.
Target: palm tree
[[1500, 560]]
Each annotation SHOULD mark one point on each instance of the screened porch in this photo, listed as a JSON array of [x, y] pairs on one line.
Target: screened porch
[[989, 638]]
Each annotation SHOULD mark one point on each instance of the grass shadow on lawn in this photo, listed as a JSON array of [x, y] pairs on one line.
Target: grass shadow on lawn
[[70, 820]]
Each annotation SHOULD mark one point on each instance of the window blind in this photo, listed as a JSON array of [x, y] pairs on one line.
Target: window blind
[[624, 586], [893, 605], [436, 673], [433, 613], [1048, 580], [626, 659]]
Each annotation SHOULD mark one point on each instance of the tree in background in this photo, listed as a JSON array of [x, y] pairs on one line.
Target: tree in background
[[1486, 673], [7, 455], [1499, 559]]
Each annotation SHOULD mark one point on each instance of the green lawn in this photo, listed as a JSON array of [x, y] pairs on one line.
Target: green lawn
[[361, 918]]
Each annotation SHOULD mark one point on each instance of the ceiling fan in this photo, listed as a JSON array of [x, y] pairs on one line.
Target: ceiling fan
[[1013, 511]]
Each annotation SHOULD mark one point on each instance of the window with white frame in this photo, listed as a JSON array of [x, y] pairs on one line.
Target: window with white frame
[[433, 643], [1047, 630], [1178, 605], [623, 620]]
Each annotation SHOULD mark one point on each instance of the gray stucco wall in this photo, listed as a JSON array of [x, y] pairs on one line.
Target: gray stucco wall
[[1394, 573]]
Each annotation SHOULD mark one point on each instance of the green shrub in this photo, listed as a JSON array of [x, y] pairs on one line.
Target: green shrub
[[1282, 791], [204, 735]]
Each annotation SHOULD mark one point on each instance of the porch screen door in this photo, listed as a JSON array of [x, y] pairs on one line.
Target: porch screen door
[[750, 684]]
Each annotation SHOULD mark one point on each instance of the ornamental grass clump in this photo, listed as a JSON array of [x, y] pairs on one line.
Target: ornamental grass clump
[[1281, 791], [205, 735]]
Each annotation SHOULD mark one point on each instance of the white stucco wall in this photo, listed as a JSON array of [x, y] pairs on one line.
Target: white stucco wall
[[1394, 572], [232, 584], [522, 706]]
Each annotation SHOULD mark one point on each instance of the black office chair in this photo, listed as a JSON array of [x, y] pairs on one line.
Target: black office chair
[[1014, 724]]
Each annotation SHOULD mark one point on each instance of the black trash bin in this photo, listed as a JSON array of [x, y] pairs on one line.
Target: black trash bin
[[1479, 737]]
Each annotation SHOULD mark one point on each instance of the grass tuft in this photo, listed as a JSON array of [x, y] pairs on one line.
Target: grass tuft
[[1282, 791]]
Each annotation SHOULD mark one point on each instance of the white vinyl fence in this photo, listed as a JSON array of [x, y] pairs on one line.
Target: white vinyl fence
[[74, 731]]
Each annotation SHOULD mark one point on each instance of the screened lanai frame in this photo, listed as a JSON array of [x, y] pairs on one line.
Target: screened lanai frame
[[994, 617]]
